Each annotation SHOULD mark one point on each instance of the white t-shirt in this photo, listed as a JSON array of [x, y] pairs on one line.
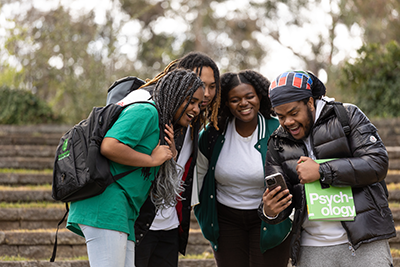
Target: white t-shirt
[[321, 233], [239, 171]]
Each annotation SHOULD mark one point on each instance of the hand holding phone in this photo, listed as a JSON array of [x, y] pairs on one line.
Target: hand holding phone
[[272, 203], [275, 180]]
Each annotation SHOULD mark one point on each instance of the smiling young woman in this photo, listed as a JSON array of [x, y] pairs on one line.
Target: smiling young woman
[[231, 162], [244, 104]]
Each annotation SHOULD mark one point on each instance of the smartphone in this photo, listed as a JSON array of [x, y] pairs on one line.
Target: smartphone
[[275, 180]]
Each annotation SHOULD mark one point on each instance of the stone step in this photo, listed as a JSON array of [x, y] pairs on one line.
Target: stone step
[[31, 218], [82, 263], [394, 157], [33, 163], [394, 196], [28, 178], [42, 193], [32, 135], [393, 151], [393, 176], [396, 216], [35, 130], [394, 164], [41, 139], [69, 263], [30, 148], [389, 130], [42, 157], [25, 194], [38, 244], [181, 263], [42, 217], [28, 151], [37, 177]]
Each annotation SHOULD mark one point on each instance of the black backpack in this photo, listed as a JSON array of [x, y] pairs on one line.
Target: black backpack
[[122, 87], [80, 170]]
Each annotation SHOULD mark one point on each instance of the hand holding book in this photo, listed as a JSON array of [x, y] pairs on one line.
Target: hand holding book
[[325, 202], [307, 170]]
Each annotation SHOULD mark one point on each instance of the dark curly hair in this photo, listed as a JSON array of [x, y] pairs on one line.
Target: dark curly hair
[[260, 84], [196, 61]]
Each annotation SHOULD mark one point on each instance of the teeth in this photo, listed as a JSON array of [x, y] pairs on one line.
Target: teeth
[[190, 115], [245, 110]]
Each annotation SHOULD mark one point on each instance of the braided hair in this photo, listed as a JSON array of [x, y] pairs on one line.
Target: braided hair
[[196, 61], [260, 84], [169, 94]]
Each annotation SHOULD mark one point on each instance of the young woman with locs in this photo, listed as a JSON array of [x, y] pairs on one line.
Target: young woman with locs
[[208, 72], [162, 234], [107, 220], [231, 160]]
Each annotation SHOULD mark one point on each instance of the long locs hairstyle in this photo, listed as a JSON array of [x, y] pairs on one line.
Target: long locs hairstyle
[[169, 94], [196, 61]]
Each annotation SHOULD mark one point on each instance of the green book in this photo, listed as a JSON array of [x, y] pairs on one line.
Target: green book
[[328, 202]]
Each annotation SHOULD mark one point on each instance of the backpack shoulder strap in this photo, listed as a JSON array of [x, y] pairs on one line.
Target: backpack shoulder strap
[[342, 116], [344, 120], [53, 255]]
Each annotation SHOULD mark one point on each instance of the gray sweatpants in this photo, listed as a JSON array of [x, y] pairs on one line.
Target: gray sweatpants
[[375, 254]]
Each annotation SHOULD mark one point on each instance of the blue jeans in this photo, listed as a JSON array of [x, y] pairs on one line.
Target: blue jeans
[[108, 248]]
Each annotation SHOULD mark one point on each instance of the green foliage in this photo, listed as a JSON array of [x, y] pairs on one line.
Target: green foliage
[[69, 60], [10, 76], [231, 40], [373, 82], [378, 19], [62, 59], [13, 258], [26, 171], [22, 107], [27, 205]]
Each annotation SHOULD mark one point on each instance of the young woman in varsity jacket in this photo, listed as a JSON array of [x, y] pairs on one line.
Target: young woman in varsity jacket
[[231, 161]]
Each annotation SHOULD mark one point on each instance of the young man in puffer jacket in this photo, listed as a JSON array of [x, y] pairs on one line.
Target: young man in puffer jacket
[[310, 129]]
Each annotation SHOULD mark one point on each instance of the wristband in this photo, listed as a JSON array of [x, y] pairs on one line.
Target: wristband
[[268, 217]]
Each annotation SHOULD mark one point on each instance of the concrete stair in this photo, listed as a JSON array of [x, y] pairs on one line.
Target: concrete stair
[[29, 216]]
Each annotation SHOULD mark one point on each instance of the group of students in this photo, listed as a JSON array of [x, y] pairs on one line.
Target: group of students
[[207, 144]]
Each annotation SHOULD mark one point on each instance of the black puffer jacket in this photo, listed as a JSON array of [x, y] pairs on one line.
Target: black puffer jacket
[[362, 164]]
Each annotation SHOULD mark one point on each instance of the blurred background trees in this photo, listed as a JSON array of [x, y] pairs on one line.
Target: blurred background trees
[[67, 58], [20, 107], [373, 81]]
